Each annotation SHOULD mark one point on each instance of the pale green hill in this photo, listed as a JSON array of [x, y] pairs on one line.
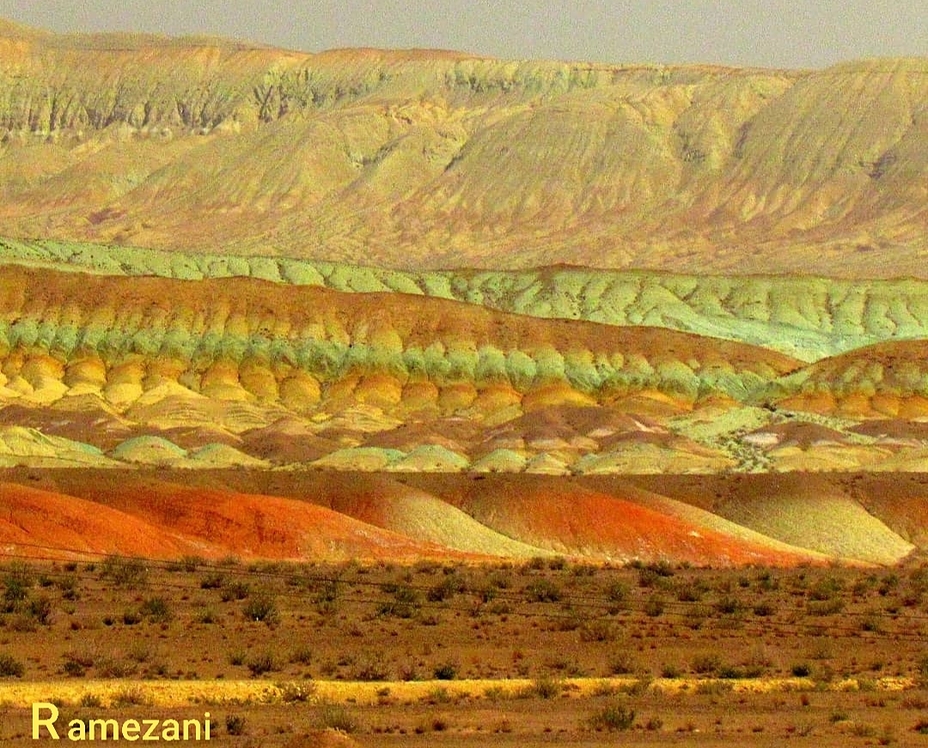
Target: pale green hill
[[806, 317]]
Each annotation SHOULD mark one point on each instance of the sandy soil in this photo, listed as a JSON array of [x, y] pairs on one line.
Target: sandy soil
[[459, 654]]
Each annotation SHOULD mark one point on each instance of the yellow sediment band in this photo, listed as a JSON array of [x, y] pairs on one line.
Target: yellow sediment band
[[218, 692]]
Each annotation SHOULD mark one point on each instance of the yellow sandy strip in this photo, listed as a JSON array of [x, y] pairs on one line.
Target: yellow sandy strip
[[228, 692]]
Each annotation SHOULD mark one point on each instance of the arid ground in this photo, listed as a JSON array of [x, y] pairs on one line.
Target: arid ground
[[449, 653]]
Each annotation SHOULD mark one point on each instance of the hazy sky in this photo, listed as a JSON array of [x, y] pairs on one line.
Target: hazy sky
[[769, 33]]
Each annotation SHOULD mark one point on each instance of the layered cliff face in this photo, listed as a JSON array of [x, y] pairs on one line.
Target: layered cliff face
[[422, 159], [174, 353], [251, 372]]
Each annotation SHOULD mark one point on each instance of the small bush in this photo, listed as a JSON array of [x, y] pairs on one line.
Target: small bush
[[77, 661], [40, 609], [648, 578], [213, 581], [124, 572], [638, 687], [139, 652], [370, 668], [570, 622], [654, 606], [262, 663], [862, 730], [730, 672], [536, 563], [445, 671], [706, 664], [10, 667], [617, 596], [500, 580], [689, 593], [446, 589], [206, 616], [872, 624], [13, 595], [728, 606], [621, 663], [157, 610], [336, 717], [237, 657], [597, 631], [73, 669], [542, 591], [437, 696], [546, 687], [713, 688], [191, 563], [115, 668], [67, 585], [17, 582], [662, 568], [654, 574], [301, 655], [131, 696], [326, 598], [826, 589], [291, 693], [261, 607], [612, 718], [90, 701], [405, 603], [825, 607], [235, 724], [234, 591]]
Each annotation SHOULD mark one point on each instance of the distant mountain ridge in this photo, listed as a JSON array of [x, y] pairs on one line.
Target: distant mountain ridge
[[421, 159]]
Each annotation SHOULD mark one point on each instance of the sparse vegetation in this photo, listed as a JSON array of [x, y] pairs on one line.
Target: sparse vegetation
[[262, 663], [614, 717], [156, 609], [336, 717], [130, 573], [546, 687], [10, 667], [235, 724], [542, 591], [261, 607], [630, 646]]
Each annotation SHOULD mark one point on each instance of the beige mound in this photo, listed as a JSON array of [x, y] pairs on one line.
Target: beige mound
[[829, 523]]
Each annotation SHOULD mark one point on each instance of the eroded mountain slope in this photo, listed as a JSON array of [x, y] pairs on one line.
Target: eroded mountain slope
[[437, 159]]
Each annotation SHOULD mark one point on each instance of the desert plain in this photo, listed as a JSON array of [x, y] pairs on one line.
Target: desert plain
[[388, 398]]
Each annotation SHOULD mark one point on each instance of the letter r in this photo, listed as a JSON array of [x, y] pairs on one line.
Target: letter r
[[48, 724]]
